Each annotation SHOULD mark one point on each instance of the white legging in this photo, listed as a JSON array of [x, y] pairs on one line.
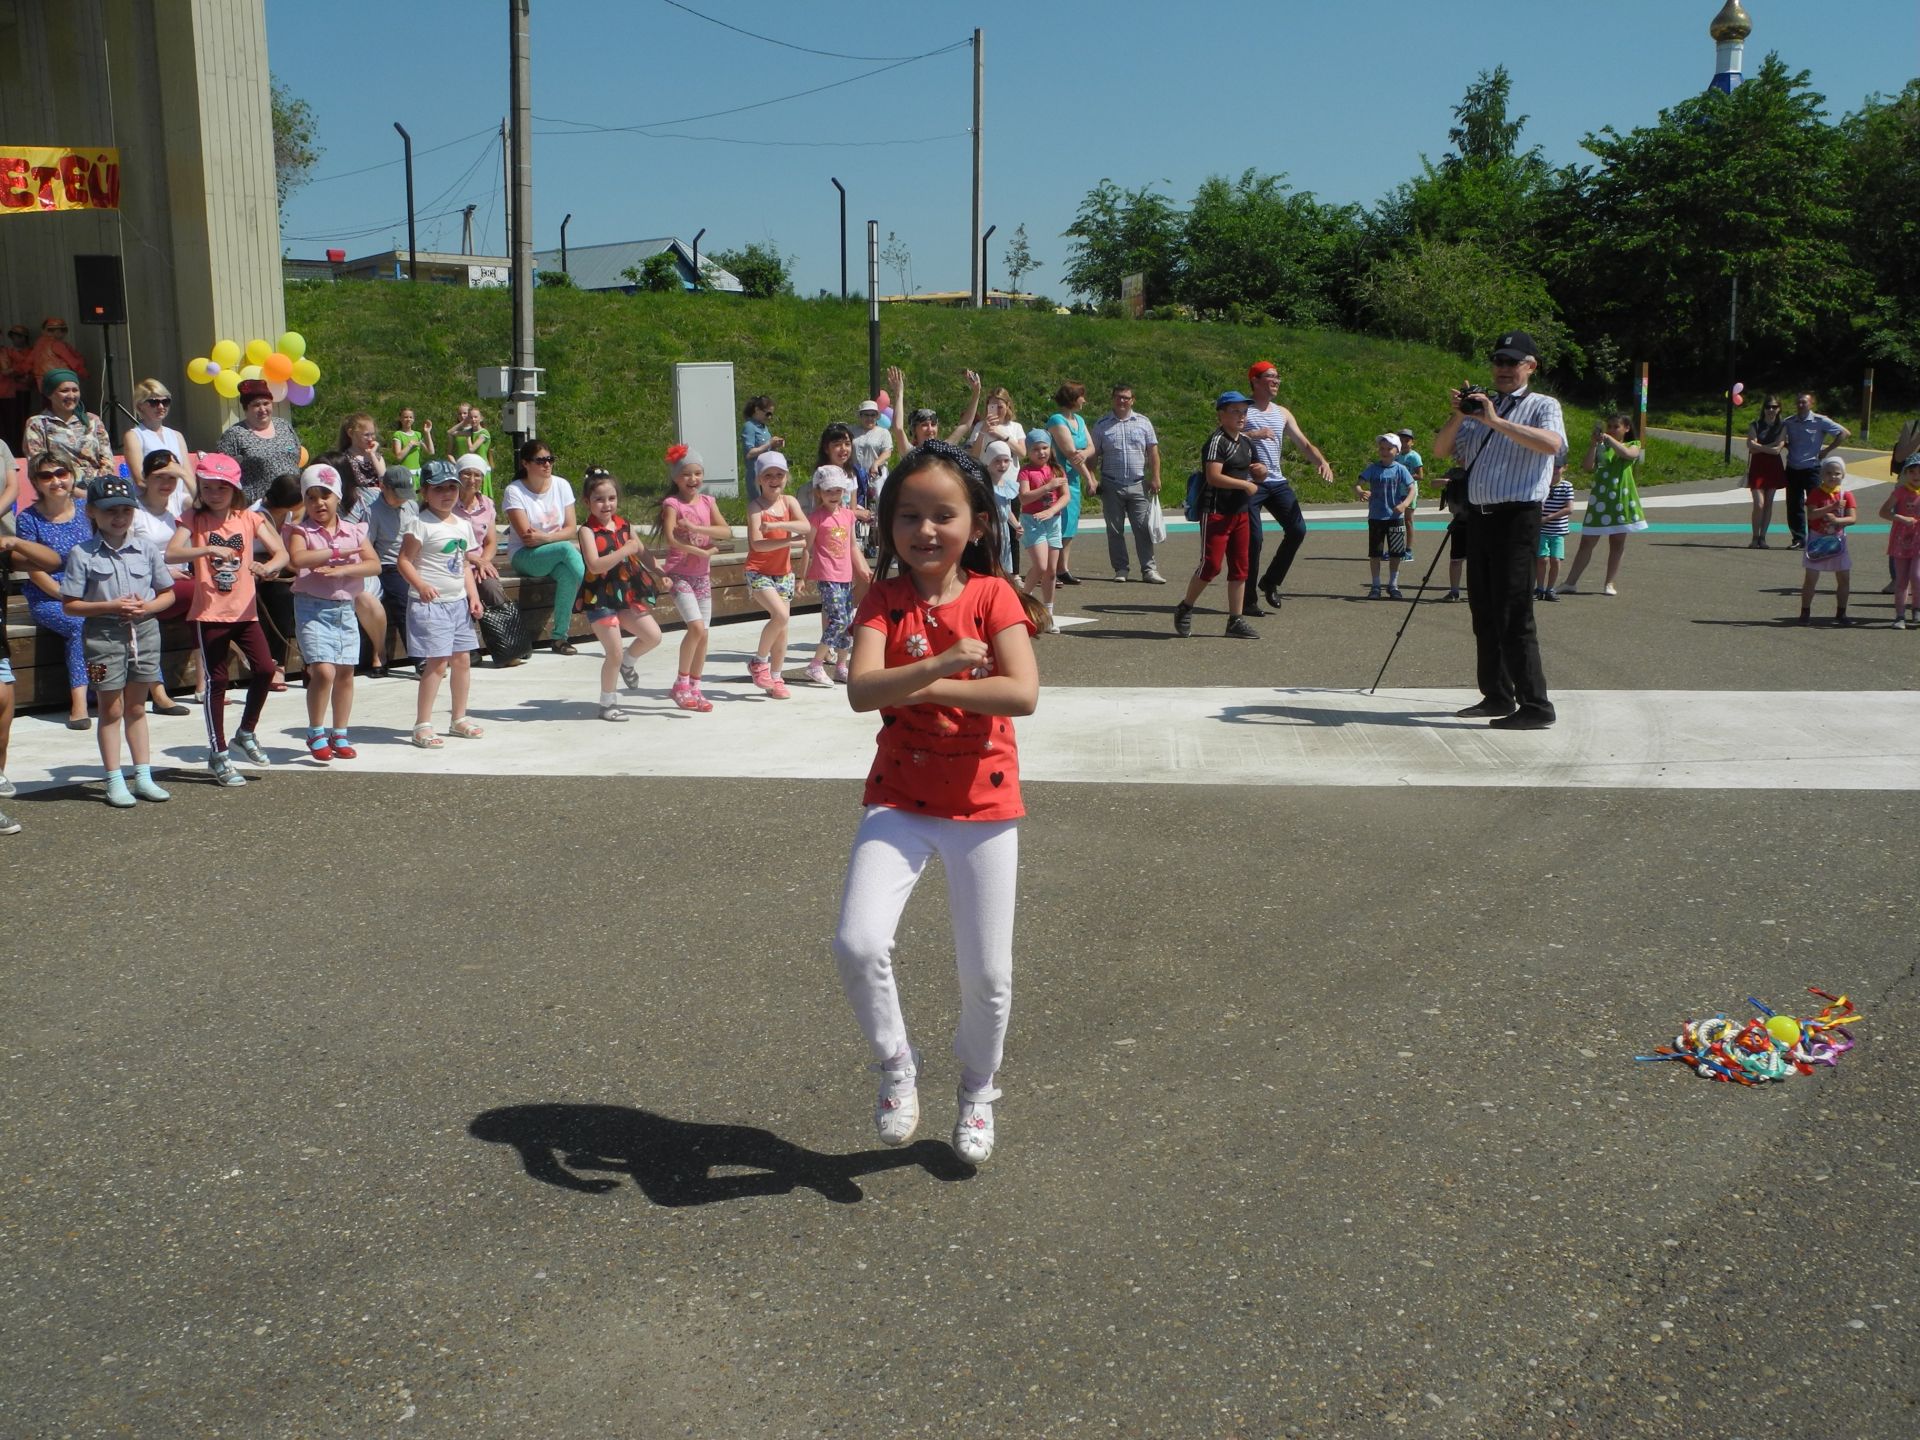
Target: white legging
[[982, 861]]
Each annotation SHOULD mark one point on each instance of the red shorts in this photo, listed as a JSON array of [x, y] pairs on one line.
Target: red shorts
[[1224, 538]]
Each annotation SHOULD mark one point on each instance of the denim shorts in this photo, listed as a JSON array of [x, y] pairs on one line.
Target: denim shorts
[[327, 632], [1034, 533], [439, 629], [6, 670]]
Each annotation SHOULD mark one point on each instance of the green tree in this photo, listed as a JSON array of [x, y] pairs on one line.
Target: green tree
[[1019, 259], [1482, 134], [1747, 185], [760, 269], [1119, 232], [1485, 190], [553, 280], [295, 150], [1460, 296], [1881, 165], [655, 275], [1255, 249]]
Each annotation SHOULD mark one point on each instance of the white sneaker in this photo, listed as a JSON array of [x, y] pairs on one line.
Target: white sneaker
[[973, 1129], [896, 1112], [1152, 576]]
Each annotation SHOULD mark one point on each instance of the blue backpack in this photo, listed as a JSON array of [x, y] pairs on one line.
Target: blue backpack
[[1196, 489]]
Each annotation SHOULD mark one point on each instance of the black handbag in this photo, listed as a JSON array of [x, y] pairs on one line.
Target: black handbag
[[501, 629]]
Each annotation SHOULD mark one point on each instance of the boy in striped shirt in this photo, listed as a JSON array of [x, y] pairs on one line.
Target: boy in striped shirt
[[1556, 514]]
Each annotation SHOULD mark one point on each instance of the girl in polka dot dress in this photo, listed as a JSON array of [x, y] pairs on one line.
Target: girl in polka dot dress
[[942, 648], [1613, 507]]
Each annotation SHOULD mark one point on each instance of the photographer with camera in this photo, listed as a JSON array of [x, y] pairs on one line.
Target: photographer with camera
[[1508, 441]]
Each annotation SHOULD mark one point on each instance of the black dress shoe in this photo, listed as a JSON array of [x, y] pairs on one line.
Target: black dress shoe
[[1271, 594], [1527, 717], [1067, 578], [1253, 612], [1485, 710]]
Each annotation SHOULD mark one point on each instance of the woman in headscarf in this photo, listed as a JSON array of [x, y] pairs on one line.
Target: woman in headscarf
[[265, 446], [67, 432]]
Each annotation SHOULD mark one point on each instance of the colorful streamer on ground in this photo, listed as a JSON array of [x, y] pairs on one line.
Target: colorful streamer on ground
[[1767, 1048]]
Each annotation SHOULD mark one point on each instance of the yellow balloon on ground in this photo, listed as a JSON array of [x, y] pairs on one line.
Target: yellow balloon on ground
[[227, 382], [1784, 1028], [225, 354], [197, 371], [292, 345], [305, 372], [257, 352], [276, 368]]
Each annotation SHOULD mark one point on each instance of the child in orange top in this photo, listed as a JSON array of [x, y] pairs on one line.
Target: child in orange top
[[944, 651], [774, 521], [219, 535]]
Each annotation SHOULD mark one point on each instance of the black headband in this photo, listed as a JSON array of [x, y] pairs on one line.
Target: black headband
[[954, 455]]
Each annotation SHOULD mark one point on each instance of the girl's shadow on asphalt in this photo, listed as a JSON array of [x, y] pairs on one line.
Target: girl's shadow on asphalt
[[673, 1161]]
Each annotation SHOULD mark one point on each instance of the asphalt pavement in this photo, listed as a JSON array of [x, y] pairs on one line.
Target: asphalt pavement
[[510, 1105]]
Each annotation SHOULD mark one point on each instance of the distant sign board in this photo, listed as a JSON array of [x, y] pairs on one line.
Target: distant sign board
[[707, 420], [1133, 296], [486, 277]]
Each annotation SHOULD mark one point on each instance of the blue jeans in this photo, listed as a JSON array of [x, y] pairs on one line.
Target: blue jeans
[[1280, 502]]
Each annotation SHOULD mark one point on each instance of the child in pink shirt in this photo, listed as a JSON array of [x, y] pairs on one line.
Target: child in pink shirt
[[833, 562]]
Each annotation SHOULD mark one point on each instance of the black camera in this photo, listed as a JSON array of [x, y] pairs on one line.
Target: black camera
[[1470, 397]]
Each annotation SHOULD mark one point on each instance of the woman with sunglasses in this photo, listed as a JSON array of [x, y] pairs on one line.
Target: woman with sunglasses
[[154, 406], [1766, 466], [541, 534], [54, 521]]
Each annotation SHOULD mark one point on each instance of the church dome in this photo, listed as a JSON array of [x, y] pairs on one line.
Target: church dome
[[1732, 23]]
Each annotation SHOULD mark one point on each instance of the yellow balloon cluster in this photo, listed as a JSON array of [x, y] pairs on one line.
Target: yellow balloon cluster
[[284, 366]]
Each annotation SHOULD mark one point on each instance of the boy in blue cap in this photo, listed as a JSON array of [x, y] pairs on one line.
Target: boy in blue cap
[[1230, 474], [118, 583]]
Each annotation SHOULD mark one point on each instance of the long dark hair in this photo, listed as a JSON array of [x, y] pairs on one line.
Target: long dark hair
[[982, 556], [528, 449], [835, 431]]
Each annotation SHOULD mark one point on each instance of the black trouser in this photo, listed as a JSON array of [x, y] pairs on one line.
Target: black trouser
[[1280, 502], [1799, 482], [1502, 543]]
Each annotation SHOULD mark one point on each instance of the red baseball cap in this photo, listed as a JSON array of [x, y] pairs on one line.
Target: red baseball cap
[[1261, 367]]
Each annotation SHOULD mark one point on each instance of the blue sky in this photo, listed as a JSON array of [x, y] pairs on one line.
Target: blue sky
[[1341, 97]]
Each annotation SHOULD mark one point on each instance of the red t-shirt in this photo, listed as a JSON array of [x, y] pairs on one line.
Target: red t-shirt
[[938, 760]]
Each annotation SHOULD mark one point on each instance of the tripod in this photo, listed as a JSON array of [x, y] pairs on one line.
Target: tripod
[[109, 390], [1446, 542]]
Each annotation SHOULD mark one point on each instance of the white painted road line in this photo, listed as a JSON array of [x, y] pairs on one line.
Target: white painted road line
[[542, 719]]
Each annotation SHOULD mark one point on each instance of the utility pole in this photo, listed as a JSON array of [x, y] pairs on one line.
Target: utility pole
[[1733, 360], [563, 242], [466, 229], [523, 419], [506, 190], [413, 249], [873, 308], [696, 257], [979, 92], [984, 285], [843, 237]]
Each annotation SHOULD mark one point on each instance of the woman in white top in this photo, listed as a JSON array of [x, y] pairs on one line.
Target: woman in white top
[[541, 534], [1001, 423], [152, 402]]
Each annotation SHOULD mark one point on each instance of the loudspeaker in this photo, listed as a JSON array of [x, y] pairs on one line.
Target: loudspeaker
[[102, 294]]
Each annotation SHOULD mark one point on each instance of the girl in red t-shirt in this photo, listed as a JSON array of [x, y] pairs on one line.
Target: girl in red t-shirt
[[943, 649]]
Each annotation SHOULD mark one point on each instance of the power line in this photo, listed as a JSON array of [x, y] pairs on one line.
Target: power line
[[586, 127], [370, 230], [780, 144], [388, 164], [783, 44]]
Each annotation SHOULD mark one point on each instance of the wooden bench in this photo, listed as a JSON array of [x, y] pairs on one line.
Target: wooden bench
[[39, 656]]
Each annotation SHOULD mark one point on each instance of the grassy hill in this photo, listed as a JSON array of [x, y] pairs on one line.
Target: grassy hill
[[609, 365]]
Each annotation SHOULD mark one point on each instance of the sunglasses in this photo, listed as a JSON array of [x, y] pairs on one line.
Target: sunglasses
[[58, 473], [159, 402], [541, 460]]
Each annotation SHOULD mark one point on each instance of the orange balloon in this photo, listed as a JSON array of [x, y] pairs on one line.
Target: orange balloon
[[276, 367]]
